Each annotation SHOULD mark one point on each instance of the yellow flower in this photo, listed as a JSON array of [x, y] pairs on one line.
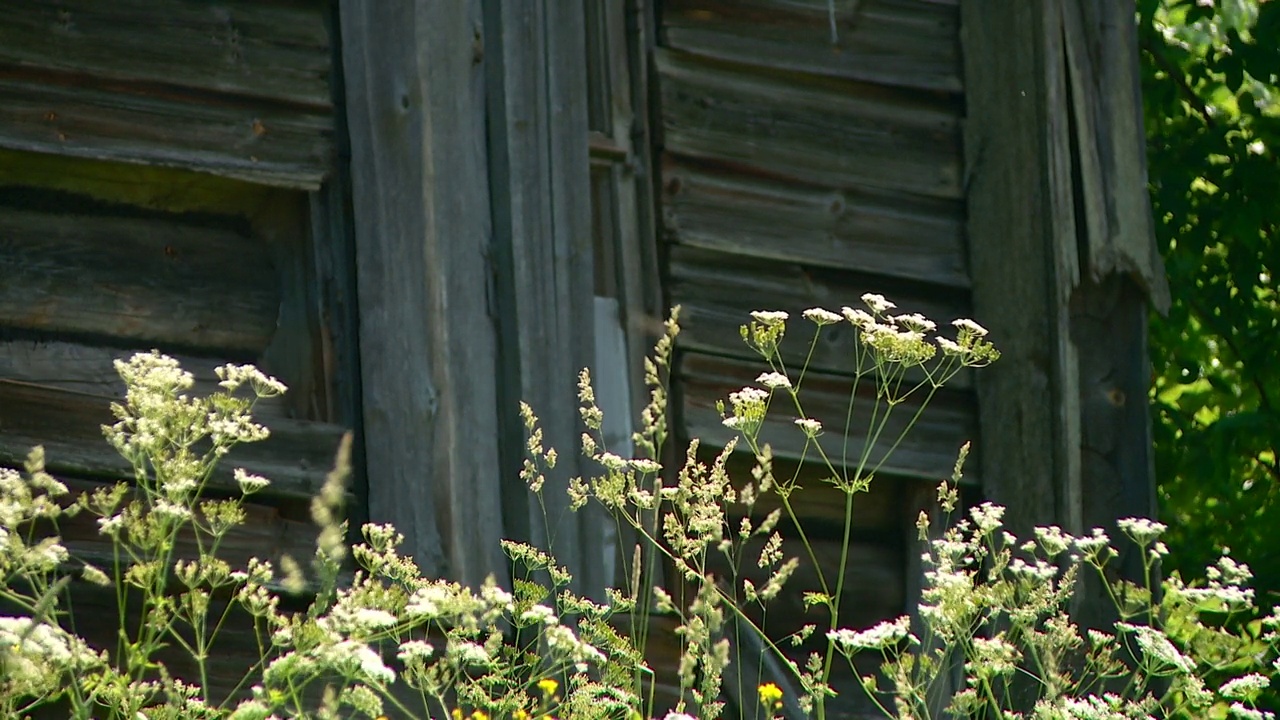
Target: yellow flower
[[479, 715], [770, 695], [520, 714], [548, 686]]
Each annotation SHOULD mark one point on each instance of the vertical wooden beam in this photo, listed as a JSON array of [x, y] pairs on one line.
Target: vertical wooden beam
[[542, 243], [1022, 252], [416, 115], [1064, 263]]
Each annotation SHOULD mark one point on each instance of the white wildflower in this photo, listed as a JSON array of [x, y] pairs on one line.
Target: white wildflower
[[415, 650], [915, 321], [645, 465], [249, 483], [468, 653], [1141, 530], [171, 510], [111, 525], [810, 426], [428, 603], [877, 637], [969, 327], [1053, 540], [774, 381], [770, 317], [858, 318], [820, 316], [987, 516], [1245, 687], [612, 461], [877, 303], [539, 614], [1240, 710], [1229, 571], [1157, 648]]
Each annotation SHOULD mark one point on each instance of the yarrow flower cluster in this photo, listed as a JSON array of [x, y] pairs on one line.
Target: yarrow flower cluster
[[878, 637], [992, 606]]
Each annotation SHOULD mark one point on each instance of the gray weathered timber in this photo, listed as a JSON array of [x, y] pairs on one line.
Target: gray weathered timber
[[90, 370], [719, 207], [256, 141], [1102, 62], [276, 51], [339, 321], [542, 234], [717, 293], [813, 130], [927, 451], [1018, 225], [140, 280], [905, 43], [1109, 326], [68, 424], [1060, 238], [296, 353], [416, 112]]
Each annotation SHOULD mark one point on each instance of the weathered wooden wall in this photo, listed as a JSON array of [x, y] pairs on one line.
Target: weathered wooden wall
[[240, 89], [805, 163], [1061, 238], [160, 169]]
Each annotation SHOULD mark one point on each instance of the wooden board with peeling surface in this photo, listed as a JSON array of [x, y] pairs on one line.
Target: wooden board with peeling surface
[[261, 143], [812, 130], [719, 207], [904, 43], [238, 89], [90, 370], [144, 280], [279, 51]]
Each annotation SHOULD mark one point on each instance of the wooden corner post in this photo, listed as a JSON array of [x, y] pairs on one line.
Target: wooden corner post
[[415, 108]]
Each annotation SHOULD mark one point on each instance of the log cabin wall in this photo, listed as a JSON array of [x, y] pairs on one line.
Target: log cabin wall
[[811, 152], [166, 181]]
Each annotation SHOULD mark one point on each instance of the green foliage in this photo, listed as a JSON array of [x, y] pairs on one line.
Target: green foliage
[[1212, 105]]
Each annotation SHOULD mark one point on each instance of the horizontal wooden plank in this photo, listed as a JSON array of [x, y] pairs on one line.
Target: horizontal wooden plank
[[906, 43], [151, 187], [927, 452], [260, 142], [272, 50], [144, 280], [719, 207], [812, 130], [91, 370], [68, 424], [717, 293]]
